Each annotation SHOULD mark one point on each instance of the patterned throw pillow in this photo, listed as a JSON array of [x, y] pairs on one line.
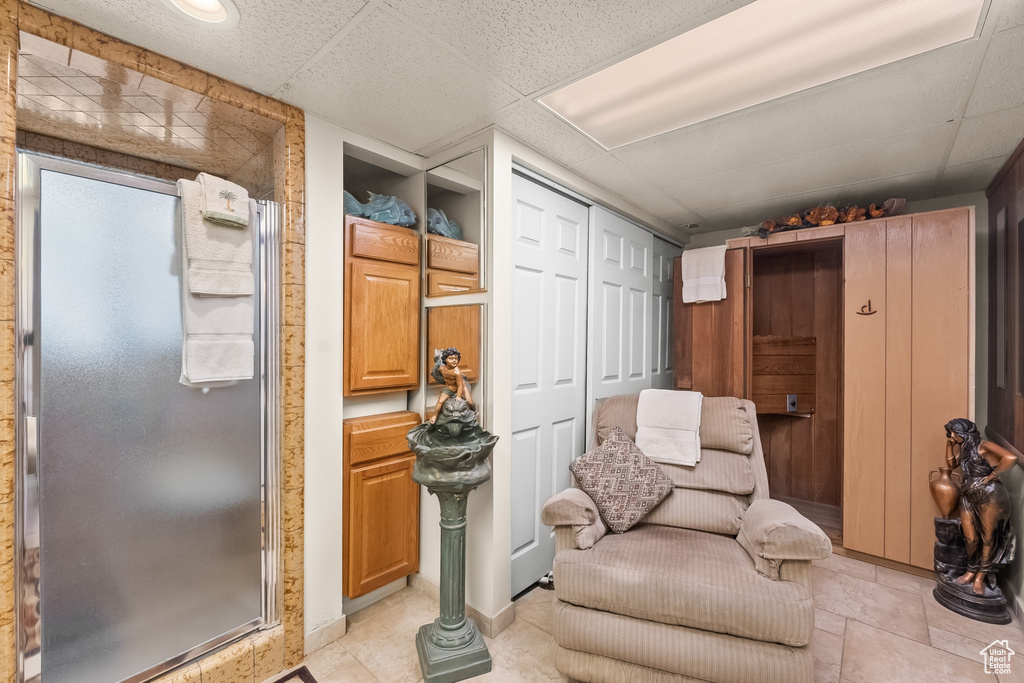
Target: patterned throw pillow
[[623, 482]]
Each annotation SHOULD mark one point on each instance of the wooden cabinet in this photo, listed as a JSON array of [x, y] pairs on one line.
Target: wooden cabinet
[[381, 508], [382, 307], [906, 355], [457, 326], [453, 266]]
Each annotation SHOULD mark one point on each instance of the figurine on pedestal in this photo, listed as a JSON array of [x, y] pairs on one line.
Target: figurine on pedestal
[[967, 584], [451, 460]]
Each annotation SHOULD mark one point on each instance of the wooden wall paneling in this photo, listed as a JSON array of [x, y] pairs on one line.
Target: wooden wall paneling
[[682, 332], [457, 326], [897, 309], [718, 356], [864, 389], [942, 322], [827, 444]]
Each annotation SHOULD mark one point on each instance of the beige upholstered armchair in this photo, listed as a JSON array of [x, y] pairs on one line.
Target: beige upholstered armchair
[[713, 584]]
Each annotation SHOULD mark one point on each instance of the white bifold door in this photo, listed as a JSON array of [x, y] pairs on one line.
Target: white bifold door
[[621, 258], [662, 373], [549, 328]]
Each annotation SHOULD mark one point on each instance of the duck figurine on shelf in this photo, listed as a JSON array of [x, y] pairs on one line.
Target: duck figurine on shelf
[[440, 224], [381, 208]]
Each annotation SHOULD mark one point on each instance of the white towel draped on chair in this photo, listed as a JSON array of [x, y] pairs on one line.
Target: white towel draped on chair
[[703, 274], [668, 425]]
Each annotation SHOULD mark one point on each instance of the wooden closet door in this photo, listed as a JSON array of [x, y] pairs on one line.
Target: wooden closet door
[[943, 359], [864, 376]]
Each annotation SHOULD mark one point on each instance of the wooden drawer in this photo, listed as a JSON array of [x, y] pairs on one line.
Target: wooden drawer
[[444, 282], [373, 240], [448, 254], [377, 436]]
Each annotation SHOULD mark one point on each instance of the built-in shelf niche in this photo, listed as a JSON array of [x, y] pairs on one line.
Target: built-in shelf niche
[[457, 189], [366, 171]]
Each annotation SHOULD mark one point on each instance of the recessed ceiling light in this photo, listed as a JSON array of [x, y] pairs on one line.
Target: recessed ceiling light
[[759, 52], [219, 13]]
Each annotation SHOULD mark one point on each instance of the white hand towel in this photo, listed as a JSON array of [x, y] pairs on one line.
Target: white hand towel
[[703, 272], [217, 331], [219, 258], [224, 202], [668, 425]]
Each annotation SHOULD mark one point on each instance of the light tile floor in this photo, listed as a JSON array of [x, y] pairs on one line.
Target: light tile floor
[[872, 625]]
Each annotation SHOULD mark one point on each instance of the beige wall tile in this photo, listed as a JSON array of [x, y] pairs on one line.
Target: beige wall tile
[[293, 264], [294, 387], [190, 673], [292, 515], [293, 346], [294, 313], [268, 653], [50, 26], [293, 476], [295, 222], [7, 159], [7, 229], [292, 553], [233, 664], [293, 442]]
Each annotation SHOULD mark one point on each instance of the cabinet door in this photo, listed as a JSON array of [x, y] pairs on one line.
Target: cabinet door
[[864, 388], [710, 338], [382, 326], [457, 326], [383, 512]]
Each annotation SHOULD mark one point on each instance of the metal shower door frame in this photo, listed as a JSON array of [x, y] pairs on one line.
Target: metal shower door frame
[[27, 370]]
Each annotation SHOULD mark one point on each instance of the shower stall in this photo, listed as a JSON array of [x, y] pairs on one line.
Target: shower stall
[[147, 511]]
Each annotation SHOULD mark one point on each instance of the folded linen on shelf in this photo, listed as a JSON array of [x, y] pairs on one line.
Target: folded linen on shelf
[[224, 202], [217, 329], [703, 274], [219, 258], [668, 425]]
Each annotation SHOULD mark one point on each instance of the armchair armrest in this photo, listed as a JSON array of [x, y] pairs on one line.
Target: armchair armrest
[[573, 508], [772, 532]]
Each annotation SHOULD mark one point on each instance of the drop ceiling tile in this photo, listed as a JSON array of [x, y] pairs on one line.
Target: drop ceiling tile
[[658, 203], [1000, 83], [272, 38], [531, 45], [548, 134], [994, 134], [610, 173], [388, 81], [896, 155], [970, 177], [1011, 14], [911, 94]]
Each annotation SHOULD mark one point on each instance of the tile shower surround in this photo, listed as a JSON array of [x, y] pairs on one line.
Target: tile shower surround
[[263, 654]]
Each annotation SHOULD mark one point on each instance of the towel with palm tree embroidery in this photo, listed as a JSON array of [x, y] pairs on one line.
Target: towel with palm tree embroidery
[[224, 202]]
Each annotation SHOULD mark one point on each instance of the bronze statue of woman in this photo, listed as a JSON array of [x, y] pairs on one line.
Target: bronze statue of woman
[[984, 503]]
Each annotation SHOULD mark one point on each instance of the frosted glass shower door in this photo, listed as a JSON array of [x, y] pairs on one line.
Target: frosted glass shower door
[[149, 492]]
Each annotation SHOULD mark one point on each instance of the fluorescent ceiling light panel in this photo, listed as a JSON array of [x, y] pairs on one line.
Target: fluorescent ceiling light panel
[[764, 50]]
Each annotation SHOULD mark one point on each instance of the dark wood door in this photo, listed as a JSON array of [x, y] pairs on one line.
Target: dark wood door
[[710, 338]]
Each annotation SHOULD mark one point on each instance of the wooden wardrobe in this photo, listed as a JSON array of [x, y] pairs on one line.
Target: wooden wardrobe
[[856, 343]]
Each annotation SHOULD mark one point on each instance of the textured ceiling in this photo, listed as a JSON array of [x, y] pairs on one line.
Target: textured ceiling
[[421, 74]]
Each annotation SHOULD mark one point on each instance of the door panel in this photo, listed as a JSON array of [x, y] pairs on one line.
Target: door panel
[[150, 509], [620, 329], [549, 252], [661, 311]]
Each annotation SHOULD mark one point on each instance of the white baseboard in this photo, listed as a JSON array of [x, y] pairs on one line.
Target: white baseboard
[[325, 635], [489, 626]]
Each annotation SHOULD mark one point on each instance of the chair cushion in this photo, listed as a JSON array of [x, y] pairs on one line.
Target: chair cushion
[[711, 511], [723, 425], [718, 470], [623, 482], [685, 577]]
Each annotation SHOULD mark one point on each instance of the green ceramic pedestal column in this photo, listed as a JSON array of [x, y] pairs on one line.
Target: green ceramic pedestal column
[[451, 648]]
